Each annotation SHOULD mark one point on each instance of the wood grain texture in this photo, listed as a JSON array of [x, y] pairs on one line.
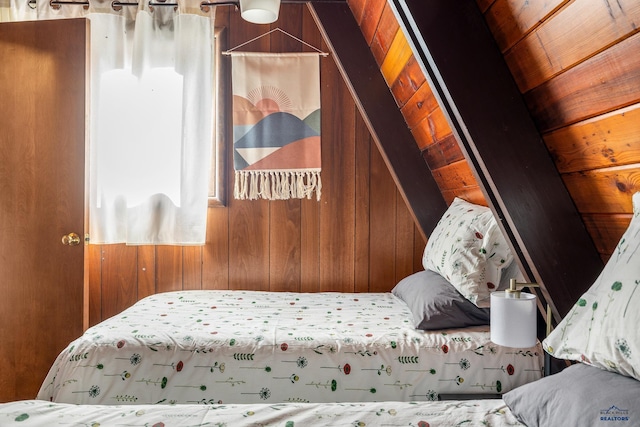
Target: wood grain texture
[[371, 17], [454, 176], [606, 82], [384, 35], [444, 152], [562, 42], [604, 190], [604, 141], [409, 81], [434, 126], [511, 20], [606, 230], [364, 150], [421, 104], [337, 217], [119, 279], [42, 139], [398, 55]]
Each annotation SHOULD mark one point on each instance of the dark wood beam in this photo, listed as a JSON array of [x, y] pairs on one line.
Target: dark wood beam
[[380, 111], [491, 122]]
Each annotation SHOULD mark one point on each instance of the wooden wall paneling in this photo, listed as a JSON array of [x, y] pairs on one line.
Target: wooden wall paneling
[[442, 153], [437, 124], [248, 219], [249, 245], [511, 20], [357, 7], [169, 268], [607, 140], [146, 267], [562, 42], [284, 245], [607, 229], [383, 237], [337, 216], [410, 80], [405, 229], [394, 62], [378, 107], [215, 258], [384, 35], [457, 175], [119, 278], [371, 17], [363, 206], [420, 105], [419, 244], [310, 246], [192, 267], [95, 284], [473, 194], [605, 82], [450, 39], [285, 216], [310, 208], [607, 190]]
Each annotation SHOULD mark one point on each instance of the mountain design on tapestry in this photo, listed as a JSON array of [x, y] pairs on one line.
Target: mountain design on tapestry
[[280, 140]]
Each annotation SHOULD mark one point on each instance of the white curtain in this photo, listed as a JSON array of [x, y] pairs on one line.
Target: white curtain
[[151, 118]]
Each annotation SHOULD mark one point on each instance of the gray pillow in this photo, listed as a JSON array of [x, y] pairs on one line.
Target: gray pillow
[[437, 304], [580, 395]]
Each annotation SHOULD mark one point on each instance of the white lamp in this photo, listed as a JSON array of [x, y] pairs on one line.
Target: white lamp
[[260, 11], [513, 316]]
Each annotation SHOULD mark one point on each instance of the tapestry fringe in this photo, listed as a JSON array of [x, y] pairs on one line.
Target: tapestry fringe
[[277, 185]]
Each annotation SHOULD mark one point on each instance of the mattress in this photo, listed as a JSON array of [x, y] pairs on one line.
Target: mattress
[[423, 414], [220, 347]]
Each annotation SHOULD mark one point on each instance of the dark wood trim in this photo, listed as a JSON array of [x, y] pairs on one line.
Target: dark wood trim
[[381, 113], [499, 139]]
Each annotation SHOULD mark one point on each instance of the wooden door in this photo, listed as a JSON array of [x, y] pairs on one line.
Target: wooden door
[[42, 197]]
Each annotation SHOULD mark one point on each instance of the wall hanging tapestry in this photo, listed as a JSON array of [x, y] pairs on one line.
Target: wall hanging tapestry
[[276, 125]]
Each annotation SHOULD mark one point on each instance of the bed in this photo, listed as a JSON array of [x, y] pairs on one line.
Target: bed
[[211, 347], [427, 339], [580, 395], [432, 414]]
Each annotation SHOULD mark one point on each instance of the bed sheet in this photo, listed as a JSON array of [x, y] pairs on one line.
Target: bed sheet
[[213, 347], [492, 413]]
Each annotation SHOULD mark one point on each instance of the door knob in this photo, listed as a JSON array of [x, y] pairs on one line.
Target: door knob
[[71, 239]]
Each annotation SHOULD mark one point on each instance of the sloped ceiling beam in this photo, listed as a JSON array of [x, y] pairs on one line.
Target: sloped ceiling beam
[[380, 111], [490, 119]]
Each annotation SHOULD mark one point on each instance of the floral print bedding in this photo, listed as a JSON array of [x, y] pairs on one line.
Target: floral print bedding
[[361, 414], [223, 347]]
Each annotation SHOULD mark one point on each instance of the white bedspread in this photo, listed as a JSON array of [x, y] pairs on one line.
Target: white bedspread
[[213, 347], [492, 413]]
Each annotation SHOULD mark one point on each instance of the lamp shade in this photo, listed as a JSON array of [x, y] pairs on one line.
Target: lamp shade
[[513, 320], [260, 11]]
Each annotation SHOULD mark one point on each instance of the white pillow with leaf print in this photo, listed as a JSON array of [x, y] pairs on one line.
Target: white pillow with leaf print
[[602, 327], [468, 249]]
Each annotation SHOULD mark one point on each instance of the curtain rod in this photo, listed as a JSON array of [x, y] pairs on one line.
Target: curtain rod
[[204, 6], [118, 5]]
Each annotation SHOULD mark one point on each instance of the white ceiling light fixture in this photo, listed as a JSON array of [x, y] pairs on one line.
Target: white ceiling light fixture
[[260, 11], [254, 11]]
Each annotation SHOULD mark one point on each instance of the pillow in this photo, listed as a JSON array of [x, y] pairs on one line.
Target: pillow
[[581, 395], [601, 328], [511, 272], [436, 304], [468, 249]]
